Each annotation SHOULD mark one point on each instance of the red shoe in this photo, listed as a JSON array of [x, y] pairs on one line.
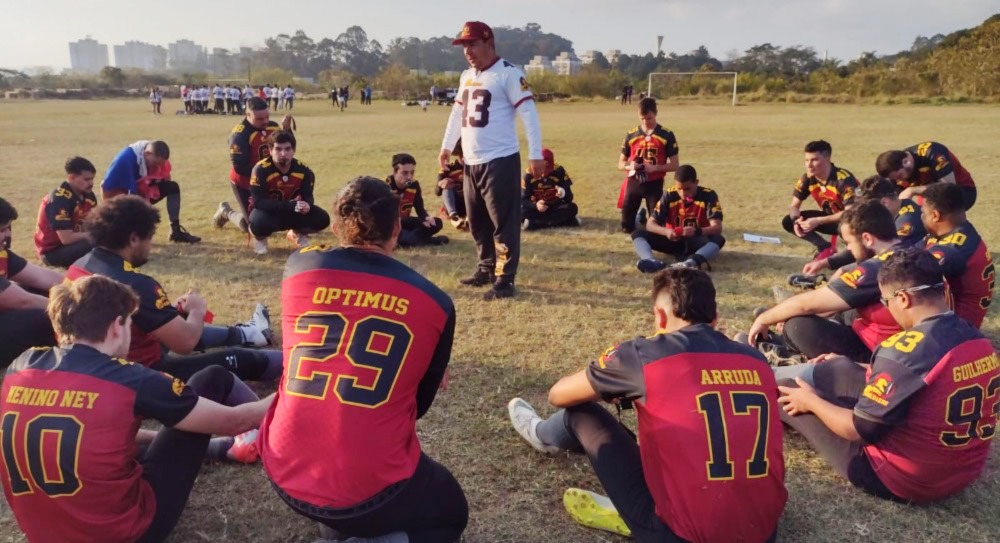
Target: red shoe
[[244, 449], [825, 253]]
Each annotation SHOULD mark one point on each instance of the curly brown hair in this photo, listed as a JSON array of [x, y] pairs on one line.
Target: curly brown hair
[[366, 211]]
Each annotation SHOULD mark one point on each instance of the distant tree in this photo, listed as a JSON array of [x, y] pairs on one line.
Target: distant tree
[[600, 61], [113, 76]]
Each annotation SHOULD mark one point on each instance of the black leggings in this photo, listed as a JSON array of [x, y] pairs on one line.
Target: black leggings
[[429, 507], [415, 233], [813, 336], [635, 194], [814, 236], [172, 462], [247, 364], [681, 247], [21, 329], [554, 216], [264, 223], [170, 191], [65, 255]]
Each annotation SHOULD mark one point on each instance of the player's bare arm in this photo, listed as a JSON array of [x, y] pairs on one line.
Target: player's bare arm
[[181, 335], [15, 297], [209, 417], [814, 302], [37, 277], [571, 390]]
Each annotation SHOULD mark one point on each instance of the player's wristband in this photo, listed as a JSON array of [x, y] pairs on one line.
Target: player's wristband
[[697, 231]]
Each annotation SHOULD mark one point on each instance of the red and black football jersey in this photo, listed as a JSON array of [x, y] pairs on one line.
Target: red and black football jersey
[[937, 388], [366, 341], [654, 148], [832, 194], [909, 226], [968, 268], [69, 418], [411, 198], [268, 183], [710, 435], [455, 174], [10, 263], [932, 162], [61, 209], [545, 189], [858, 287], [675, 210], [155, 309], [248, 146]]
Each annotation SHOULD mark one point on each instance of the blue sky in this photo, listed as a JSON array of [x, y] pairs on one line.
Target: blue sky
[[36, 32]]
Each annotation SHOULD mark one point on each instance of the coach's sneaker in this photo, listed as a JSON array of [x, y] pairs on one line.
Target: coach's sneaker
[[594, 511], [179, 234], [257, 330], [259, 246], [502, 288], [297, 239], [525, 420], [221, 216], [479, 279], [650, 265], [244, 449]]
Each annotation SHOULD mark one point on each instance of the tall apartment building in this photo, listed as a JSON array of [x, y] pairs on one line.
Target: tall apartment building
[[141, 55], [87, 55]]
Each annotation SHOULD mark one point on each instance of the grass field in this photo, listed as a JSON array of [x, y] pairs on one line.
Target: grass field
[[579, 290]]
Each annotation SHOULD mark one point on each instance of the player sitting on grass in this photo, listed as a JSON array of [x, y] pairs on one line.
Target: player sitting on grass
[[917, 426], [686, 223], [368, 343], [869, 232], [449, 188], [281, 196], [76, 465], [699, 456], [960, 251], [23, 322], [832, 188], [59, 235], [547, 202], [917, 167], [164, 334], [419, 230]]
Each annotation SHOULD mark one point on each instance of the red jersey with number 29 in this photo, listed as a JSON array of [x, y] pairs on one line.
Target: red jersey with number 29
[[360, 330], [709, 432]]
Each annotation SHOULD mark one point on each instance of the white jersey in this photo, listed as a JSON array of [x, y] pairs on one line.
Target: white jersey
[[218, 93], [487, 102], [267, 92], [248, 92], [289, 93]]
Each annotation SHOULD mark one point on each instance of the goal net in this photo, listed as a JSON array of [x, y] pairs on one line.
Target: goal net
[[701, 85]]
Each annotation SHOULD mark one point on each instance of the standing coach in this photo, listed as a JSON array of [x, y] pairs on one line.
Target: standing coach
[[491, 90]]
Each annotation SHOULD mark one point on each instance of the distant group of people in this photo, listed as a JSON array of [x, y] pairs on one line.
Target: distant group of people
[[231, 99], [339, 96]]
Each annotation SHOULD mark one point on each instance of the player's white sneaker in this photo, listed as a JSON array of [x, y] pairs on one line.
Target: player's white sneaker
[[525, 421], [297, 239], [221, 216], [260, 246], [257, 330]]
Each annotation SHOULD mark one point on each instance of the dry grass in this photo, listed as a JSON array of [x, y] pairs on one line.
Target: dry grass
[[579, 291]]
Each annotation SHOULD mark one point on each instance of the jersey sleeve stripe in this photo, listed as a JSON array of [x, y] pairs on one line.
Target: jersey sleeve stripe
[[522, 100]]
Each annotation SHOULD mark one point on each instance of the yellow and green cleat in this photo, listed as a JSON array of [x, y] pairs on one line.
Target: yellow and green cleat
[[594, 511]]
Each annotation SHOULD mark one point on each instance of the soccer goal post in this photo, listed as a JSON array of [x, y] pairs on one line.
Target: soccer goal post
[[664, 75]]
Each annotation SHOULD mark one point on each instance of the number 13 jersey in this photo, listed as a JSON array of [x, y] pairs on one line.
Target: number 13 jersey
[[366, 341], [488, 99]]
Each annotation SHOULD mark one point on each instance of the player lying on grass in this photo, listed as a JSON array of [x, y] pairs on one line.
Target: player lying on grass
[[281, 196], [709, 433], [23, 290], [122, 230], [869, 231], [916, 168], [686, 223], [143, 168], [59, 235], [420, 229], [547, 201], [76, 466], [917, 425], [833, 189], [368, 342]]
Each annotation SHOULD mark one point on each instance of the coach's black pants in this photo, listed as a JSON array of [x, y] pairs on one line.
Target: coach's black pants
[[413, 232], [812, 336], [65, 255], [681, 247], [172, 462], [839, 382], [21, 329], [429, 507], [554, 216], [264, 223], [813, 236], [493, 200], [635, 194]]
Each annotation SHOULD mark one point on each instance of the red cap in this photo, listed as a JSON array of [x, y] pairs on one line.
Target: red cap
[[548, 157], [472, 31]]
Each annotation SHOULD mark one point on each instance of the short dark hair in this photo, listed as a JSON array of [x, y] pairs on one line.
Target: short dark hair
[[7, 212], [686, 173], [877, 187], [256, 103], [160, 149], [113, 222], [647, 105], [366, 211], [400, 159], [945, 198], [870, 217], [912, 267], [889, 162], [77, 165], [85, 308], [819, 146], [692, 294], [280, 136], [457, 151]]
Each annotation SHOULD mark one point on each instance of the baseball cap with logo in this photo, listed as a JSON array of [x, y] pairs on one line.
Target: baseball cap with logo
[[472, 31]]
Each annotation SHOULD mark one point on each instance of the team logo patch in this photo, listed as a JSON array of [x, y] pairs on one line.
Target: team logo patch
[[939, 255], [162, 302], [905, 230], [177, 386], [853, 277], [610, 354], [524, 85], [881, 389], [62, 215]]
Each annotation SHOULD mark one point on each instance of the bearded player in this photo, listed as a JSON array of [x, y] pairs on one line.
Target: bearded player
[[368, 342]]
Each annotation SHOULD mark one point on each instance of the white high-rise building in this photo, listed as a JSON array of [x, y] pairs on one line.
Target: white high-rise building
[[538, 65], [187, 55], [87, 55], [141, 55], [566, 64]]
